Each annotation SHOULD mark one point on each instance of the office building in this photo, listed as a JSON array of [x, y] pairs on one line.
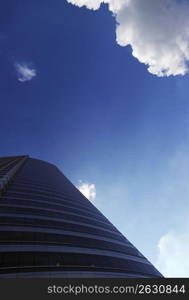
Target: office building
[[49, 229]]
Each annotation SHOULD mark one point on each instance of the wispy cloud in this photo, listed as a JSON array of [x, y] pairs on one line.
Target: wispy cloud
[[88, 190], [173, 245], [157, 31], [25, 72], [173, 254]]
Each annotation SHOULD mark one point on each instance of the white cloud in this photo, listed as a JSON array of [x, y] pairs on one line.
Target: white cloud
[[114, 5], [173, 254], [24, 72], [91, 4], [157, 31], [88, 190]]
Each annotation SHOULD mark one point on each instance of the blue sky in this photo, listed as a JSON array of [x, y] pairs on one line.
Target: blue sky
[[70, 94]]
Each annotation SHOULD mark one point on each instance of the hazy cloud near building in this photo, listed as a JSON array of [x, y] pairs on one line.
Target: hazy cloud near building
[[173, 254], [157, 31], [24, 72], [88, 190]]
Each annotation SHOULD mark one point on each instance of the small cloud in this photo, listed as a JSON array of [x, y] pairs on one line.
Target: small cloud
[[173, 254], [24, 72], [88, 190]]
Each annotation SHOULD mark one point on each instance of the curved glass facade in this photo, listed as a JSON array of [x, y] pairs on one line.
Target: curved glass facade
[[49, 229]]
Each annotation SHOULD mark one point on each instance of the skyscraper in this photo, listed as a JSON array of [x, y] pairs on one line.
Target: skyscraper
[[49, 229]]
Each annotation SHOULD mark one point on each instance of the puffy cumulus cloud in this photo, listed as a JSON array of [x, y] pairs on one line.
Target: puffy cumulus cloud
[[88, 190], [24, 72], [114, 5], [91, 4], [157, 31], [173, 254]]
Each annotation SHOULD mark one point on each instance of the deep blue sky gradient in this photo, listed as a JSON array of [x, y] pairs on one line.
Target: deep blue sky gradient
[[94, 111]]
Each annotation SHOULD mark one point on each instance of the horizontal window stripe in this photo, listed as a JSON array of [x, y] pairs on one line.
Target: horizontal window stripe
[[60, 221], [55, 199], [66, 232], [70, 274], [51, 185], [25, 181], [60, 213], [67, 249], [57, 203], [57, 216], [73, 260], [34, 192], [67, 212], [57, 213], [61, 194], [74, 244], [22, 237], [35, 187], [53, 191]]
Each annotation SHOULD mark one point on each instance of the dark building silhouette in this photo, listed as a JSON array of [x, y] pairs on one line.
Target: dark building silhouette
[[49, 229]]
